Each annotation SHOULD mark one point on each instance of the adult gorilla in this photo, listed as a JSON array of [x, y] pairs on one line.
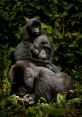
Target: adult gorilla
[[38, 81]]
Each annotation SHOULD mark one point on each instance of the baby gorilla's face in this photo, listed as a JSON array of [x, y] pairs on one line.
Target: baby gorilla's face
[[44, 52], [34, 26], [36, 30]]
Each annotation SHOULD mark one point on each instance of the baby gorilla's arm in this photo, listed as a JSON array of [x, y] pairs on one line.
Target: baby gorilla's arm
[[34, 49]]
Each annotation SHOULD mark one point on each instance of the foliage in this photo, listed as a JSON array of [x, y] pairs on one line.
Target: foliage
[[15, 107], [62, 22]]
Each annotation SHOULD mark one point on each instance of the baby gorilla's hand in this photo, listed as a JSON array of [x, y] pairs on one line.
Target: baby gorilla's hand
[[36, 51]]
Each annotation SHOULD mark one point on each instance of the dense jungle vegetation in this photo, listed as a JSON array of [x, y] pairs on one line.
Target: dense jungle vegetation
[[62, 20]]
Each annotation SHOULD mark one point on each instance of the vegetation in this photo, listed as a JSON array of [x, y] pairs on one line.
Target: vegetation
[[62, 22]]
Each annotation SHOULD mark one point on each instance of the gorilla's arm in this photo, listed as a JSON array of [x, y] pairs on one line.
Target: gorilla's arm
[[52, 67]]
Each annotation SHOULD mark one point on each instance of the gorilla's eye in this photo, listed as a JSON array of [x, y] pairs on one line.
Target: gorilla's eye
[[35, 29]]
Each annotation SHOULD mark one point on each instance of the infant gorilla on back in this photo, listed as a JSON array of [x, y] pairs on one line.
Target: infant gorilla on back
[[38, 81]]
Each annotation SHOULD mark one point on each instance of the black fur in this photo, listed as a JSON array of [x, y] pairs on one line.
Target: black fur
[[33, 44], [39, 81]]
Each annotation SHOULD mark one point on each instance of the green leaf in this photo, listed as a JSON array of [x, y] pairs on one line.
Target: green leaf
[[64, 14], [73, 44], [57, 34], [49, 30], [61, 99]]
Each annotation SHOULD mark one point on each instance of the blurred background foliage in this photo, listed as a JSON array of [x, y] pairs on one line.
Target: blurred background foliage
[[62, 20]]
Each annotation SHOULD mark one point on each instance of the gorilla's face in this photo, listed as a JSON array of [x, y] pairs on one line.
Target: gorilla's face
[[44, 52], [34, 27]]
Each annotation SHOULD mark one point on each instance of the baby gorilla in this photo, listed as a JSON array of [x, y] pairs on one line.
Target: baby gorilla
[[41, 48], [38, 81]]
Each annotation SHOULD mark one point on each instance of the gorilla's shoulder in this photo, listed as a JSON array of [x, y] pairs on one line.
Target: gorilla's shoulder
[[20, 45]]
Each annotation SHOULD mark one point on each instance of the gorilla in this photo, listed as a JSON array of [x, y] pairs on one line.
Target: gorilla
[[41, 48], [31, 31], [27, 78], [35, 45]]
